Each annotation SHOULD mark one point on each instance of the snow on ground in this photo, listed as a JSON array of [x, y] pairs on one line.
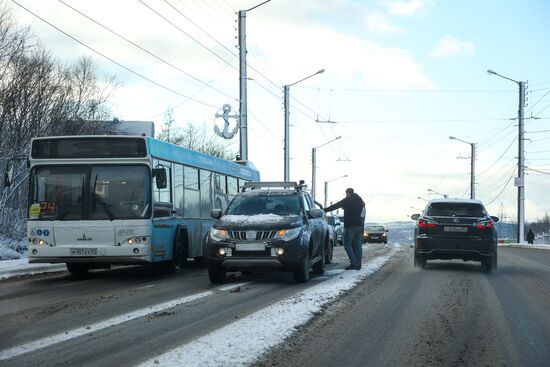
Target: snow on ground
[[19, 267], [12, 249], [525, 245], [268, 327]]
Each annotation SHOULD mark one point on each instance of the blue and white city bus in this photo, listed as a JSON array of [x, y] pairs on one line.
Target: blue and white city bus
[[101, 200]]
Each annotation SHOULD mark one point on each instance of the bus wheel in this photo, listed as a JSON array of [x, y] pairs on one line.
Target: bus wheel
[[78, 268]]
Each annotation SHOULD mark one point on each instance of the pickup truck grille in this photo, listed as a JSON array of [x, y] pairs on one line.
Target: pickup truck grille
[[252, 235]]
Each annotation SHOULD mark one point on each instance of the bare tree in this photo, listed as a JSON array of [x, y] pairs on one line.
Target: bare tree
[[196, 138], [41, 97]]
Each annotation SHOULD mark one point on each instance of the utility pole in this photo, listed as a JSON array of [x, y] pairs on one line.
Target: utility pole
[[243, 130], [473, 173], [520, 179], [287, 129], [520, 182]]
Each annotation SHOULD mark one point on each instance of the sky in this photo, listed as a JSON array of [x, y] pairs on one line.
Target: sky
[[400, 78]]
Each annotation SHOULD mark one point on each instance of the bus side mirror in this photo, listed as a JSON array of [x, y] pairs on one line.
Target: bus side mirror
[[159, 174], [8, 174]]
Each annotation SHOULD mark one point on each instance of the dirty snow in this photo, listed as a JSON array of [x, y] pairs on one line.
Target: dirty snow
[[271, 219]]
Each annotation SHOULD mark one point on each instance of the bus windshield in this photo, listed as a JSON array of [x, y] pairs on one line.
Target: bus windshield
[[99, 192]]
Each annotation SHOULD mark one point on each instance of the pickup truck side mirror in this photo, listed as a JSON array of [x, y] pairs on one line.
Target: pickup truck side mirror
[[316, 213], [216, 213]]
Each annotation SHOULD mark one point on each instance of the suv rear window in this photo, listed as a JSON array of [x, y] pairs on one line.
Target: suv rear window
[[456, 210], [264, 204]]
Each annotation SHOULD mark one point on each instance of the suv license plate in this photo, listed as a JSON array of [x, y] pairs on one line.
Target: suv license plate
[[250, 246], [83, 252], [455, 229]]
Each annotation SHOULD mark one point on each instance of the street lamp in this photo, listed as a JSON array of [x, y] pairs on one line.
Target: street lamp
[[520, 180], [287, 122], [421, 198], [326, 188], [313, 164], [473, 166], [438, 193]]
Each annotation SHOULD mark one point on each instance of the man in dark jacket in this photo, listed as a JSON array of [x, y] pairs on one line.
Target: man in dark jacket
[[353, 207], [530, 237]]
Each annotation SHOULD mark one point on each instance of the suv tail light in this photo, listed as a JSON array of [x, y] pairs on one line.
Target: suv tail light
[[425, 223], [485, 224]]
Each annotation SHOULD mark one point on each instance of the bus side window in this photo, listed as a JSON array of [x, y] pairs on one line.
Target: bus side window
[[232, 187], [162, 198], [206, 199], [191, 202], [178, 189]]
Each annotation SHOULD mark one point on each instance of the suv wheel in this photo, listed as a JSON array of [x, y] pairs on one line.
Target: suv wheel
[[301, 273], [216, 273], [420, 261], [490, 263], [319, 266]]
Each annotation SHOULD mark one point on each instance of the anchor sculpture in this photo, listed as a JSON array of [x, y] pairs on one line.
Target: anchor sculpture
[[226, 133]]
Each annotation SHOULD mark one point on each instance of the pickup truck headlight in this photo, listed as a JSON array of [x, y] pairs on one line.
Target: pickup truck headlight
[[288, 234], [218, 234]]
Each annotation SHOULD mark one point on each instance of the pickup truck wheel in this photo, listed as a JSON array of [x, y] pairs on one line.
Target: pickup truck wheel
[[301, 273], [329, 254], [216, 273], [319, 266]]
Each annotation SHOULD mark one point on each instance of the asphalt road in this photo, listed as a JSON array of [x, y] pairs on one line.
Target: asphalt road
[[450, 314], [49, 308]]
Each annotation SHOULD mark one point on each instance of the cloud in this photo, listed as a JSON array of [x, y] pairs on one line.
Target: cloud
[[449, 46], [406, 7], [378, 23]]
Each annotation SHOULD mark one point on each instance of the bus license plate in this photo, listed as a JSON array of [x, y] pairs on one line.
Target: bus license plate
[[83, 252], [250, 246], [455, 229]]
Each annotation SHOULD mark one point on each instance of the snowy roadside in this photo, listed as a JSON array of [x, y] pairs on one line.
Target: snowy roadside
[[525, 245], [20, 267]]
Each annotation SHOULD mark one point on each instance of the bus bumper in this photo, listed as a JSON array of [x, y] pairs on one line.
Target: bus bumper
[[139, 254]]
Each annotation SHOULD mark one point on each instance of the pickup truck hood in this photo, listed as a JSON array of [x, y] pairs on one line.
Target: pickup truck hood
[[256, 222]]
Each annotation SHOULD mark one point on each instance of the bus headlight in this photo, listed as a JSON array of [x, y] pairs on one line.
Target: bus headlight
[[218, 234], [288, 234]]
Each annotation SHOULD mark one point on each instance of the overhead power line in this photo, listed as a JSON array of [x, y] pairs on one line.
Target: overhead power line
[[501, 191], [112, 60], [498, 159], [146, 51]]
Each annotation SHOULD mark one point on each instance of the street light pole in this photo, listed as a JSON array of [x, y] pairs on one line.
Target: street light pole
[[326, 188], [472, 166], [243, 116], [438, 193], [520, 179], [287, 123], [314, 164]]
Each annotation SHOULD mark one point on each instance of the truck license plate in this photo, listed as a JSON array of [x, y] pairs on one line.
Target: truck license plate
[[250, 246], [83, 252]]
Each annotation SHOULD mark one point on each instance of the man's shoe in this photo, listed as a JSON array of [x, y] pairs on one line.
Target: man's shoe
[[350, 267]]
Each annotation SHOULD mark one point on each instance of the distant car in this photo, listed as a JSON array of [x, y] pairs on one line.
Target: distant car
[[375, 233], [269, 226], [337, 227], [455, 229]]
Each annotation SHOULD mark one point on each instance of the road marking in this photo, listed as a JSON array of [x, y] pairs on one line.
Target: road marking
[[233, 286], [264, 329], [75, 333]]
